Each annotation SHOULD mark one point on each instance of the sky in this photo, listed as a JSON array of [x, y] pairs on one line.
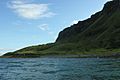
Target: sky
[[32, 22]]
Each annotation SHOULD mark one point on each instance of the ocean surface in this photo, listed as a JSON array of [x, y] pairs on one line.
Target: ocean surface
[[59, 69]]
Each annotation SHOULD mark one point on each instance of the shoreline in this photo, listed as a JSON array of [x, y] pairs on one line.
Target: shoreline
[[117, 55]]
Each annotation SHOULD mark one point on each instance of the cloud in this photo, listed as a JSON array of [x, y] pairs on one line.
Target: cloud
[[50, 32], [5, 49], [74, 22], [29, 10], [43, 27]]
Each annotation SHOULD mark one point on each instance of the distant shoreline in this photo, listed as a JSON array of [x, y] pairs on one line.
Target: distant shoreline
[[117, 55]]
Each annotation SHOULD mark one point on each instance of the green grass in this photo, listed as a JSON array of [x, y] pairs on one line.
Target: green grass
[[61, 50]]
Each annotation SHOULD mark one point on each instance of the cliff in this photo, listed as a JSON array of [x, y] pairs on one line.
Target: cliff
[[101, 30]]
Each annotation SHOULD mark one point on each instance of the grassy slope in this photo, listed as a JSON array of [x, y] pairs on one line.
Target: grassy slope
[[63, 49]]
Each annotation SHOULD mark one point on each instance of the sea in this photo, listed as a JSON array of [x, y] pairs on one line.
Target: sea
[[59, 69]]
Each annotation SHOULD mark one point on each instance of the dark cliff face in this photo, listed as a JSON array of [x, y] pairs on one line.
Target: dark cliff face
[[102, 29], [111, 6]]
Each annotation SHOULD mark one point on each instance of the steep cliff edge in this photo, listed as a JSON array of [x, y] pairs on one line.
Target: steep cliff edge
[[102, 29]]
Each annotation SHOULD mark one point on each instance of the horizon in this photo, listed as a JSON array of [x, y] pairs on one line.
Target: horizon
[[33, 22]]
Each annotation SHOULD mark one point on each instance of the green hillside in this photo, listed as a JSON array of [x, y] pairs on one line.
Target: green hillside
[[98, 36]]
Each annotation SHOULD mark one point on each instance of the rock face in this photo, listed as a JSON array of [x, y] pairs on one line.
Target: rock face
[[101, 30]]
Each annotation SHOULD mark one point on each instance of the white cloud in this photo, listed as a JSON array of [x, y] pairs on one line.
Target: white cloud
[[5, 49], [70, 24], [43, 27], [50, 32], [74, 22], [29, 10]]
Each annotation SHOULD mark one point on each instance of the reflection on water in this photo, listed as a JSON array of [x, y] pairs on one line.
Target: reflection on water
[[59, 69]]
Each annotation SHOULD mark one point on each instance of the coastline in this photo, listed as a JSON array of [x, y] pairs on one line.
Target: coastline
[[92, 53], [115, 55]]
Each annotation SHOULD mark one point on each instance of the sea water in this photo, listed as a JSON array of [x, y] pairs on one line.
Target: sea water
[[59, 69]]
